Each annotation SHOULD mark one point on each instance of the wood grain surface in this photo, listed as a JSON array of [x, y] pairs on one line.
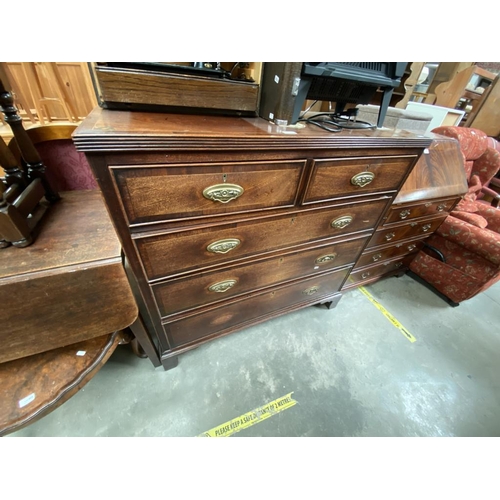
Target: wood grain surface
[[32, 387]]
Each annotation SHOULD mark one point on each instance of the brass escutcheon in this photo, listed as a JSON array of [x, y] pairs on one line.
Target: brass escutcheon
[[222, 286], [223, 246], [326, 258], [341, 222], [310, 291], [362, 179], [223, 192]]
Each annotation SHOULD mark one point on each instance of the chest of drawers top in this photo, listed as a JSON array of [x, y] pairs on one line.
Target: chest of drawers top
[[110, 130]]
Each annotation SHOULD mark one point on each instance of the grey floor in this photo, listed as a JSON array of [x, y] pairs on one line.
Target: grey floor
[[351, 372]]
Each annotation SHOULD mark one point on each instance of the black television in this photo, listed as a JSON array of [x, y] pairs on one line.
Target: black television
[[286, 86]]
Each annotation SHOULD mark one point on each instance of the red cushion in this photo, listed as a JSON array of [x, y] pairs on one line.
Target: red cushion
[[475, 219]]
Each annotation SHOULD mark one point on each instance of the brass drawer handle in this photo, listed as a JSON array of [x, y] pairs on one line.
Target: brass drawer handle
[[389, 236], [326, 258], [223, 246], [223, 192], [222, 286], [440, 208], [311, 291], [398, 265], [411, 247], [404, 214], [376, 257], [426, 227], [362, 179], [341, 222], [365, 275]]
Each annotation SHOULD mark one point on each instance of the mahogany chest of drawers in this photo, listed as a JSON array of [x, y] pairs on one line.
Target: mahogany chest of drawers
[[226, 222]]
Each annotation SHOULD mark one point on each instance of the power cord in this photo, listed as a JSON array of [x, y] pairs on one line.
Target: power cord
[[336, 122]]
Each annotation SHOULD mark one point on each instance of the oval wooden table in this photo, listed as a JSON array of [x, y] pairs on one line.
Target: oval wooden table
[[65, 305]]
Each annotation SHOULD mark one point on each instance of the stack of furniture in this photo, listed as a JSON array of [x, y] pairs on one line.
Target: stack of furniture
[[65, 299]]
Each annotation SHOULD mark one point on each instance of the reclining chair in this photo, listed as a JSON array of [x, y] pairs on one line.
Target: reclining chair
[[462, 258]]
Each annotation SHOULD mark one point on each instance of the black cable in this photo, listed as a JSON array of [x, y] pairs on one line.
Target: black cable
[[336, 120]]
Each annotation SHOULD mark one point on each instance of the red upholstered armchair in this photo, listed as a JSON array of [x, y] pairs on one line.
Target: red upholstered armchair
[[464, 255]]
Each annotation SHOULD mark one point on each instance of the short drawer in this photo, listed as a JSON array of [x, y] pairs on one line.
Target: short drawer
[[176, 253], [398, 250], [407, 212], [245, 311], [335, 178], [367, 274], [206, 288], [164, 192], [409, 230]]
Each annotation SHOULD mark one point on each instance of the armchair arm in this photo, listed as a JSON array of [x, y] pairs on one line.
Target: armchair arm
[[479, 241], [493, 194]]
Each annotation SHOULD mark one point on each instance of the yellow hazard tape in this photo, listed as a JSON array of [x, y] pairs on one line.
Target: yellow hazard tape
[[388, 315], [252, 417]]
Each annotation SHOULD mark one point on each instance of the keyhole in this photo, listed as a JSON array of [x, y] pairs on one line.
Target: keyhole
[[224, 178]]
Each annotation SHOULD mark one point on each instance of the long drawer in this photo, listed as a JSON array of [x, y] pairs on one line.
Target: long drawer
[[369, 274], [163, 193], [409, 230], [400, 213], [334, 178], [179, 252], [244, 311], [183, 294], [390, 252]]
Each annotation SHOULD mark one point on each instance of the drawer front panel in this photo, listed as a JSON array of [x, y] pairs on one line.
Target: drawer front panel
[[151, 194], [398, 250], [332, 179], [244, 311], [171, 254], [410, 230], [367, 274], [406, 212], [210, 287]]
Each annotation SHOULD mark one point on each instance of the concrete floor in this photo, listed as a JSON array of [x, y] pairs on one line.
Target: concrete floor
[[351, 372]]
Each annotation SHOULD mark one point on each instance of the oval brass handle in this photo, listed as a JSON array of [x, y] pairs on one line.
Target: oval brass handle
[[389, 236], [310, 291], [412, 247], [326, 258], [365, 275], [404, 214], [362, 179], [426, 228], [223, 246], [222, 286], [376, 257], [440, 208], [341, 222], [223, 192], [398, 264]]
